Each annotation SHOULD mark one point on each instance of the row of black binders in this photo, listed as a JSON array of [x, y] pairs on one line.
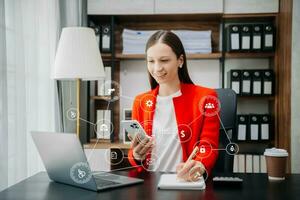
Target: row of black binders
[[250, 37], [254, 127], [252, 82], [104, 36]]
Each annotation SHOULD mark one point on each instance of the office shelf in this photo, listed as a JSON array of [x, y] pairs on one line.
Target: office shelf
[[249, 54], [216, 55], [249, 17], [269, 98], [104, 98]]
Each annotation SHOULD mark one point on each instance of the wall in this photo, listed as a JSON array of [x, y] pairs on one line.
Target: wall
[[295, 128]]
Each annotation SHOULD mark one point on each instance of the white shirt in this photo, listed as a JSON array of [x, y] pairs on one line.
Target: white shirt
[[167, 152]]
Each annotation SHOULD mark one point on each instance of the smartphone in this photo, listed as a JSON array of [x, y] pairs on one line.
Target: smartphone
[[133, 128]]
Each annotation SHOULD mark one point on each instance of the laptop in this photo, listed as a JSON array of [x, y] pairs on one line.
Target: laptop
[[65, 162]]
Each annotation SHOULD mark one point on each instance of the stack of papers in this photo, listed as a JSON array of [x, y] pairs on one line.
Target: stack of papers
[[170, 181], [134, 42], [195, 41]]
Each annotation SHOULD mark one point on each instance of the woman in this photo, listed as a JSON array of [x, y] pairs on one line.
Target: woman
[[174, 115]]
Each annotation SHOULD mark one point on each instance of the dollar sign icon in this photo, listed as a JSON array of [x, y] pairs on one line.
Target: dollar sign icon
[[182, 135]]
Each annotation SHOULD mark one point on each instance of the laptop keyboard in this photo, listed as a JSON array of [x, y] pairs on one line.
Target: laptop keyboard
[[104, 183]]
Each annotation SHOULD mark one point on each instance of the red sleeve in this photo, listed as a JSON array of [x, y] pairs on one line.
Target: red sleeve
[[210, 134]]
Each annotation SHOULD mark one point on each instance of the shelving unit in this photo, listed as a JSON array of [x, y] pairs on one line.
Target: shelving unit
[[256, 147], [216, 23], [182, 21], [215, 55], [250, 55], [149, 22]]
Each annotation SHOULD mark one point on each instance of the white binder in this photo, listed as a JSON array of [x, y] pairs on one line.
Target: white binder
[[249, 164], [256, 164], [265, 127], [242, 131], [254, 128]]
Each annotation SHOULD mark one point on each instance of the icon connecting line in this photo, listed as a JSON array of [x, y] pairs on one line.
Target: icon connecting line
[[224, 128], [212, 107], [231, 148]]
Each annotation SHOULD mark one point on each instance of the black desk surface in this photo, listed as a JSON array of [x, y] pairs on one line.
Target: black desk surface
[[255, 187]]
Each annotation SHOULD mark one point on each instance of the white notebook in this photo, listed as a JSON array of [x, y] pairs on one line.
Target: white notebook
[[170, 181]]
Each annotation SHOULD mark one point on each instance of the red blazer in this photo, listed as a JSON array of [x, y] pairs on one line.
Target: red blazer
[[194, 128]]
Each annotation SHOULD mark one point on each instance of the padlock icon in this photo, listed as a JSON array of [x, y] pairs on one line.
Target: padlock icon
[[202, 149]]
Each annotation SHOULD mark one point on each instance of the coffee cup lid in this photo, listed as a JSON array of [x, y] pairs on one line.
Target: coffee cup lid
[[276, 152]]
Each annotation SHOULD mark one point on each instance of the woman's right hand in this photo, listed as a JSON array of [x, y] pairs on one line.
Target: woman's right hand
[[141, 147]]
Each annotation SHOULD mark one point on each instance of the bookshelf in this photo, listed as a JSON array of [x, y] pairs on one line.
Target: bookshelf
[[215, 55], [249, 146], [215, 22]]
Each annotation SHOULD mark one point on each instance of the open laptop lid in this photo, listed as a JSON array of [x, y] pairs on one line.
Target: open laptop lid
[[64, 159]]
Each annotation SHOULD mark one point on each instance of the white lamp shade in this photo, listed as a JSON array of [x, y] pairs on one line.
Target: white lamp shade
[[78, 55]]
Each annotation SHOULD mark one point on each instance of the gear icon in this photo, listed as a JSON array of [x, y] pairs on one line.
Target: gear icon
[[80, 173], [149, 103]]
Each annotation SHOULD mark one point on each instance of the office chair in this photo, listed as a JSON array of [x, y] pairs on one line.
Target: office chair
[[228, 102]]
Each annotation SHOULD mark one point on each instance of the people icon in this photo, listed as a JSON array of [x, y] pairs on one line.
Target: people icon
[[209, 106]]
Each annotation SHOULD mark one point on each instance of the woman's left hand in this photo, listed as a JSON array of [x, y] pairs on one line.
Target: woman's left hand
[[190, 171]]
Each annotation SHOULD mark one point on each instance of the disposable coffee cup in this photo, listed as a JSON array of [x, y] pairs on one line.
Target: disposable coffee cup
[[276, 163]]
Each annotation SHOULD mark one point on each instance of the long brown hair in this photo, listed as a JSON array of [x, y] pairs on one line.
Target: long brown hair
[[172, 40]]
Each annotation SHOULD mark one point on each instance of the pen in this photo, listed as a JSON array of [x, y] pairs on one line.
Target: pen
[[195, 151]]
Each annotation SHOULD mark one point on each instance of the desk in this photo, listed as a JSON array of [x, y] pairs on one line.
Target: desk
[[255, 187]]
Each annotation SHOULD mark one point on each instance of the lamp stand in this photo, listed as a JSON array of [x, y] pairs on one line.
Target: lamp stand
[[78, 105]]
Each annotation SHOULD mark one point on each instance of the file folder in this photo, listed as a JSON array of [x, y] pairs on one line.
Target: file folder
[[256, 82], [265, 127], [234, 37], [269, 37], [256, 164], [235, 81], [263, 165], [107, 86], [268, 82], [254, 127], [97, 30], [242, 124], [242, 163], [246, 83], [235, 164], [257, 31], [245, 37], [106, 39], [249, 163]]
